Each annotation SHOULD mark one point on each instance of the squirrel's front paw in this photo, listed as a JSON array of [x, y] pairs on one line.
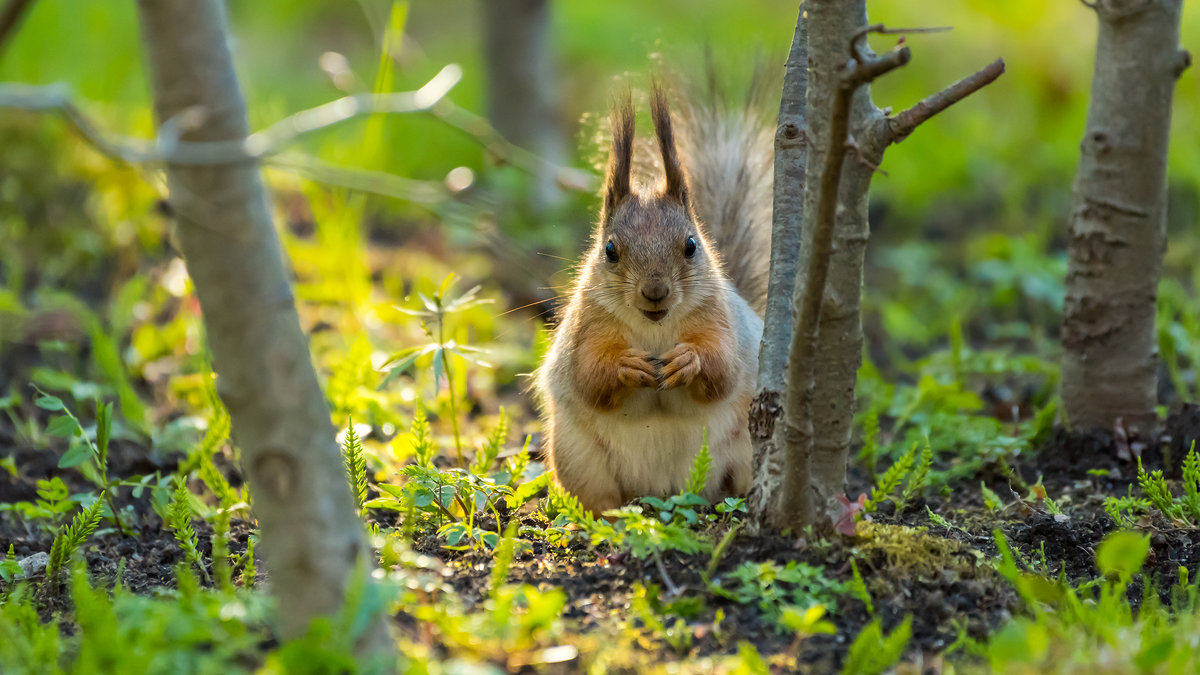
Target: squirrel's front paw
[[681, 365], [634, 369]]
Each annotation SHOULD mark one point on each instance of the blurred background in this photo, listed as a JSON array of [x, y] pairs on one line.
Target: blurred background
[[968, 222]]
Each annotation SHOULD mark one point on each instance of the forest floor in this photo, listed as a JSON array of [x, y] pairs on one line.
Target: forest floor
[[942, 577]]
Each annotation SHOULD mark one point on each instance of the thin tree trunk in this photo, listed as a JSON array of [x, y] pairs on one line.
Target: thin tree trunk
[[1117, 225], [786, 218], [312, 541], [800, 484], [523, 101], [832, 24]]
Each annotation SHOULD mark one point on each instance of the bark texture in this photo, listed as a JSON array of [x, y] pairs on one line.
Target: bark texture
[[523, 98], [832, 25], [786, 220], [311, 539], [802, 434], [1117, 226]]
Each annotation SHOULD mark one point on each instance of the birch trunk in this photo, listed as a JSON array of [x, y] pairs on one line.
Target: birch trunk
[[311, 539], [1117, 225], [523, 102]]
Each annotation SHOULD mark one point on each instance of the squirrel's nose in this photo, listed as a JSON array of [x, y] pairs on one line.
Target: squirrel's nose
[[656, 290]]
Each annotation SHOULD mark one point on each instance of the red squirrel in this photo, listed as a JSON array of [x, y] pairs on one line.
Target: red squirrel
[[659, 342]]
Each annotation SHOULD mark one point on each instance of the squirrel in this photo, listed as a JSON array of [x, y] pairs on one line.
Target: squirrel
[[658, 344]]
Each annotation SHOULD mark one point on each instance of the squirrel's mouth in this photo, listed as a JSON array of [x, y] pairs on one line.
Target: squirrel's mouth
[[655, 315]]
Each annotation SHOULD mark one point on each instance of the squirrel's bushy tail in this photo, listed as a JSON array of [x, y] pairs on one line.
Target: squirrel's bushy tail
[[727, 150]]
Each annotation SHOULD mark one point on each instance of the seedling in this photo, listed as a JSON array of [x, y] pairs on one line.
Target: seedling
[[69, 539], [82, 447]]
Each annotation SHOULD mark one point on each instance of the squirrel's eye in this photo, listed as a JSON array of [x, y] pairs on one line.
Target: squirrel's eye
[[610, 252], [689, 247]]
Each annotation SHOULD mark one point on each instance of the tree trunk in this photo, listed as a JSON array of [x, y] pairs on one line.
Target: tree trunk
[[312, 541], [1117, 224], [802, 433], [786, 219], [832, 24], [523, 101]]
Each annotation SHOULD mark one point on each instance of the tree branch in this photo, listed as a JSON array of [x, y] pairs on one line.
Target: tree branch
[[503, 151], [10, 18], [901, 125], [267, 144], [167, 147]]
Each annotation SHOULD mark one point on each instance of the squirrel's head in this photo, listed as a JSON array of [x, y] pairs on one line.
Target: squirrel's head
[[650, 258]]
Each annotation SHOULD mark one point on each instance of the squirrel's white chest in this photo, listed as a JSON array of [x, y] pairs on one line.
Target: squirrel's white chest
[[654, 438]]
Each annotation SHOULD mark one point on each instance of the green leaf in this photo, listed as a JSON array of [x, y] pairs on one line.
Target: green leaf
[[63, 426], [1122, 554], [77, 454], [103, 426], [48, 402]]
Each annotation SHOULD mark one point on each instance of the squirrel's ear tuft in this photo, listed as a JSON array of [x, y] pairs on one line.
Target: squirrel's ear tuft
[[620, 161], [676, 186]]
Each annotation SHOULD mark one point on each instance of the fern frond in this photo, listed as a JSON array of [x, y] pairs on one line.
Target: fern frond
[[918, 478], [1155, 487], [422, 439], [486, 457], [568, 504], [179, 521], [1191, 483], [216, 434], [70, 538], [858, 588], [518, 463], [226, 495], [701, 466], [356, 464], [890, 479], [249, 571]]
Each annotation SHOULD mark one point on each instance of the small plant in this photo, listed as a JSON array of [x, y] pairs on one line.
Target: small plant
[[773, 588], [701, 467], [990, 500], [436, 309], [465, 507], [53, 503], [9, 567], [423, 446], [918, 478], [179, 521], [939, 520], [1126, 510], [492, 446], [1082, 629], [249, 571], [666, 525], [890, 480], [858, 588], [873, 652], [356, 466], [1182, 510], [82, 447], [646, 606], [69, 539], [1039, 495], [868, 456]]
